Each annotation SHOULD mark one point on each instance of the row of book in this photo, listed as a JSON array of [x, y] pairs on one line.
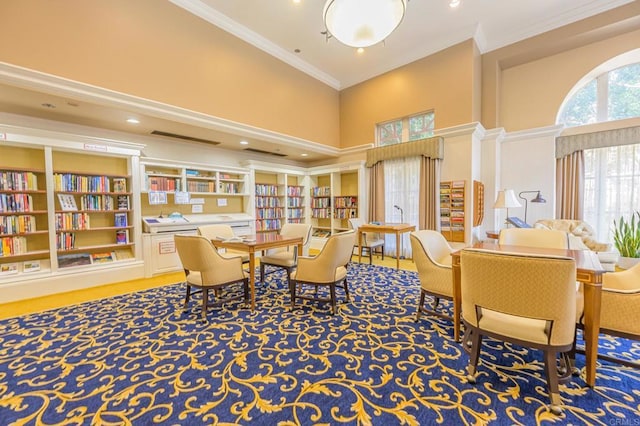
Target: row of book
[[18, 181], [160, 183], [295, 213], [266, 189], [70, 221], [267, 201], [321, 191], [201, 186], [321, 213], [345, 213], [70, 182], [321, 203], [268, 225], [17, 224], [16, 203], [295, 202], [294, 191], [269, 213], [229, 188], [342, 202], [13, 245]]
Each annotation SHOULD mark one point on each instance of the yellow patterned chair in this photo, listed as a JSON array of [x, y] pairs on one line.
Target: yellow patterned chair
[[432, 256], [498, 301], [328, 268], [206, 269]]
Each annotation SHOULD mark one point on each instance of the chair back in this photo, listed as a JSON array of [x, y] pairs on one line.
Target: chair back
[[432, 256], [199, 255], [517, 287], [355, 223], [336, 253], [216, 231], [369, 237], [533, 237], [294, 230]]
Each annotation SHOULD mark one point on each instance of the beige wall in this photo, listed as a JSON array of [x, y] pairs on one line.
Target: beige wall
[[155, 50], [524, 84], [442, 82]]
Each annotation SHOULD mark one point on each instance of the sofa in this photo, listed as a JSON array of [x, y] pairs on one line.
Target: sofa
[[581, 238]]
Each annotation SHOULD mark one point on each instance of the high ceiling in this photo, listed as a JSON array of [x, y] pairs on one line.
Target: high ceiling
[[292, 32]]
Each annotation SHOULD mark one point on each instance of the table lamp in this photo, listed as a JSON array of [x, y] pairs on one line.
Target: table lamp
[[506, 200]]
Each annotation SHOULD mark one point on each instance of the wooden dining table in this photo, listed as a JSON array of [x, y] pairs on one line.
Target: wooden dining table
[[253, 244], [384, 228], [588, 272]]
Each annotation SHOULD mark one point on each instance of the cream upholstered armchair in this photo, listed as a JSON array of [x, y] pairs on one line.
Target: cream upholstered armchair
[[581, 238], [620, 308], [498, 301], [371, 241], [530, 237], [217, 231], [328, 268], [432, 256], [206, 269], [286, 257]]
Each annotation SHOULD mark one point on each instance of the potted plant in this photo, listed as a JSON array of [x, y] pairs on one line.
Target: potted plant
[[626, 237]]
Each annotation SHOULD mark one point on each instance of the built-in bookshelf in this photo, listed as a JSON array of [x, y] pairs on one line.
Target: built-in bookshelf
[[295, 204], [23, 211], [92, 211], [269, 207], [452, 210], [345, 206]]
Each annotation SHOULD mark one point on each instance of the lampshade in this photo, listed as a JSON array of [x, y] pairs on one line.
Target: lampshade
[[506, 200], [362, 23], [538, 199]]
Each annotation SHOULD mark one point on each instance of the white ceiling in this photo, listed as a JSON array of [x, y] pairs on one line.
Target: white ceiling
[[279, 27]]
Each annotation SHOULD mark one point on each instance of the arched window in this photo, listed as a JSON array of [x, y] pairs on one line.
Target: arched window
[[612, 173]]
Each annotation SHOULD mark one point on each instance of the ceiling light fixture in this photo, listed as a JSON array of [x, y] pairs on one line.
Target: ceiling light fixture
[[362, 23], [454, 3], [244, 143], [133, 121]]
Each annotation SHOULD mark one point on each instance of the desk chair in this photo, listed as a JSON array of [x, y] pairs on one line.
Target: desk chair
[[206, 269], [213, 232], [328, 268], [533, 237], [286, 257], [498, 301], [371, 241], [432, 255]]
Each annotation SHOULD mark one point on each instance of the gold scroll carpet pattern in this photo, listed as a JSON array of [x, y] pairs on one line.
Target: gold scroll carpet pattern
[[139, 359]]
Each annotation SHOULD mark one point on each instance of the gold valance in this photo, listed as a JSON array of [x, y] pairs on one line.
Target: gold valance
[[430, 148], [566, 145]]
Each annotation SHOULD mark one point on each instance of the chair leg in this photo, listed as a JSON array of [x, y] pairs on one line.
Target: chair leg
[[420, 304], [436, 302], [382, 252], [552, 381], [346, 289], [292, 289], [262, 272], [187, 297], [245, 285], [332, 290], [476, 342], [205, 299], [370, 255]]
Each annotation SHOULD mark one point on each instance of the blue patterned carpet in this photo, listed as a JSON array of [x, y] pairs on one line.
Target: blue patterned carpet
[[138, 359]]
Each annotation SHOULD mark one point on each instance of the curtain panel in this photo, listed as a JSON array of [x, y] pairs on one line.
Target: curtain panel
[[566, 145]]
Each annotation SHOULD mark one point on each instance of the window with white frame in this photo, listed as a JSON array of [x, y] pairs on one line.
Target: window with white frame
[[402, 175], [612, 174]]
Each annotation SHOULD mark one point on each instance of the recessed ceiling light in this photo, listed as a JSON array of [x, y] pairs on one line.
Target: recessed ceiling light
[[454, 3], [244, 143], [360, 50], [305, 155], [133, 121]]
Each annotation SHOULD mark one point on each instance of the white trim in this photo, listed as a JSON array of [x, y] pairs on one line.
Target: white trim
[[539, 132]]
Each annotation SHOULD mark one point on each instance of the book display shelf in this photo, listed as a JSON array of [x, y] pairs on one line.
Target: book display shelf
[[295, 200], [452, 210], [269, 202]]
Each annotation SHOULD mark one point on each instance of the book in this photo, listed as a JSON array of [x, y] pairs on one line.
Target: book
[[67, 202], [119, 185], [123, 202], [30, 266], [120, 220], [122, 236], [97, 258], [76, 259], [123, 254]]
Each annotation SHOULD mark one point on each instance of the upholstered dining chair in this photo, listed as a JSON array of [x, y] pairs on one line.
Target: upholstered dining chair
[[287, 257], [327, 269], [216, 231], [534, 237], [498, 301], [372, 242], [432, 256], [620, 309], [206, 269]]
